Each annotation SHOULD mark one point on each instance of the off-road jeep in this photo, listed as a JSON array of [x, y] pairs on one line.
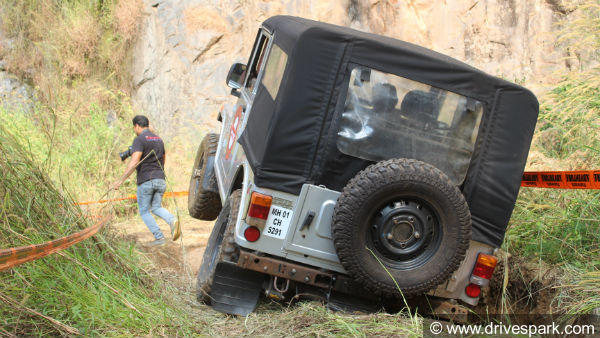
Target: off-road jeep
[[357, 167]]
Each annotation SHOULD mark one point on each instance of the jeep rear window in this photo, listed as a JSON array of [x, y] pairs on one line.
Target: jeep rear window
[[386, 116]]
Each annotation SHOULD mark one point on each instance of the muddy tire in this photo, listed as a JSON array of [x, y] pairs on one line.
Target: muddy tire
[[402, 218], [221, 246], [202, 204]]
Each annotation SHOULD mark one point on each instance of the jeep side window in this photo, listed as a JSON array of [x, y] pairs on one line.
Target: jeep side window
[[274, 69], [257, 62], [386, 116]]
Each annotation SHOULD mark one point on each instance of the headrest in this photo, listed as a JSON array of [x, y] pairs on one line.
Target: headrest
[[385, 97]]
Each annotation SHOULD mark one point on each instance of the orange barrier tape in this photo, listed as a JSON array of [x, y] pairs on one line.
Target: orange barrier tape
[[581, 179], [15, 256], [134, 197]]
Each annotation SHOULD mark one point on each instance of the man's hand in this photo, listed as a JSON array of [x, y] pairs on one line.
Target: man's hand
[[135, 160], [116, 185]]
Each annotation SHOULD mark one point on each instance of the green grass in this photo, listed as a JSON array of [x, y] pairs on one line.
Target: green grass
[[74, 288], [558, 227], [562, 227], [80, 153]]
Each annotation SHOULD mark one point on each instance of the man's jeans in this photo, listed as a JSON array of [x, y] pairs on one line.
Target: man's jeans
[[149, 198]]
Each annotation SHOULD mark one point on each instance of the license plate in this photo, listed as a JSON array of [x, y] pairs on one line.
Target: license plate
[[278, 222]]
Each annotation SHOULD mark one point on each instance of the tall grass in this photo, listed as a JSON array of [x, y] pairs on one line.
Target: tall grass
[[97, 286], [81, 153], [76, 55], [559, 226]]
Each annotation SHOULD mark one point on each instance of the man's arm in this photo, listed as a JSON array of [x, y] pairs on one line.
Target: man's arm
[[135, 159]]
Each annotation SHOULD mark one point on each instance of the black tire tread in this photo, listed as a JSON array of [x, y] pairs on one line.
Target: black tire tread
[[228, 250], [206, 205], [365, 183]]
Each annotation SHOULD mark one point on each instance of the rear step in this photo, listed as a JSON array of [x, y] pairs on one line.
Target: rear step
[[234, 290]]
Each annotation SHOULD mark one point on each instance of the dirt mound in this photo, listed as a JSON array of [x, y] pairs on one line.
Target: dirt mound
[[521, 286]]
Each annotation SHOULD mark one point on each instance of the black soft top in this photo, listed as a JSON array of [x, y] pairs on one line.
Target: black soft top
[[292, 140]]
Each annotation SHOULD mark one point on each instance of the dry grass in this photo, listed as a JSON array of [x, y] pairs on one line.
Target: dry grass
[[579, 32], [75, 41], [127, 14], [64, 48]]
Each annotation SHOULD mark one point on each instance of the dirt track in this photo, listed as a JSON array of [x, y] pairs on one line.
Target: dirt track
[[177, 260]]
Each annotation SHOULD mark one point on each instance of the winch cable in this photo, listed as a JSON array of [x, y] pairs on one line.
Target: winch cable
[[578, 179]]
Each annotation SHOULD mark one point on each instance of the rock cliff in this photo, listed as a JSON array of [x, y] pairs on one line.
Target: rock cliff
[[186, 47]]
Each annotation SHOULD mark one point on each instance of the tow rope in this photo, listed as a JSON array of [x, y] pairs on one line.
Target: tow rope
[[16, 256], [12, 257], [134, 197]]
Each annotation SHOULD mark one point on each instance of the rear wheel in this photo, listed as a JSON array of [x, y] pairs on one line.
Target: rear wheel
[[204, 204], [221, 246], [401, 224]]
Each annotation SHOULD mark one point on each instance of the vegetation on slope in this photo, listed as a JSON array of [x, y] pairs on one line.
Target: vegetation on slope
[[97, 286], [76, 54], [562, 227]]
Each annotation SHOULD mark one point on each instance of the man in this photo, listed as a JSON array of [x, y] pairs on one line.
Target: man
[[148, 158]]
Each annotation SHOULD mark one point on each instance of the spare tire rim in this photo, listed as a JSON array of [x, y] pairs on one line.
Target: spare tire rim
[[405, 232]]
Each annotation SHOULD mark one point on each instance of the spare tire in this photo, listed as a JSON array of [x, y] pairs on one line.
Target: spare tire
[[402, 224], [204, 204]]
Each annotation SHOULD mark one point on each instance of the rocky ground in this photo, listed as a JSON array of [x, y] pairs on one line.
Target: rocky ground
[[14, 95]]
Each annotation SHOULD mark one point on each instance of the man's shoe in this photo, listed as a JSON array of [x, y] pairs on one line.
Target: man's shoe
[[157, 242], [176, 229]]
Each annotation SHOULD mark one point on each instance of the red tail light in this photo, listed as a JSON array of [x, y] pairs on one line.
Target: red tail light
[[485, 265], [473, 290]]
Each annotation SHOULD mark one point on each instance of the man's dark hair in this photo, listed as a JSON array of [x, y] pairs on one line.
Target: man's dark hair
[[141, 121]]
